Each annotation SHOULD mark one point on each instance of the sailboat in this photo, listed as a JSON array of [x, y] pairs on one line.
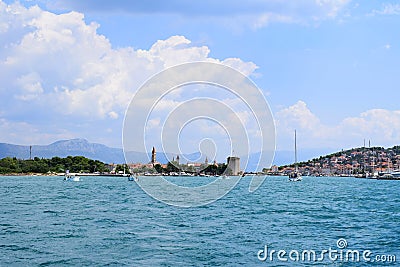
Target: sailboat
[[295, 176]]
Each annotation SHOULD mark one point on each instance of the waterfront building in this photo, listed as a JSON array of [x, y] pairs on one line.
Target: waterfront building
[[233, 165]]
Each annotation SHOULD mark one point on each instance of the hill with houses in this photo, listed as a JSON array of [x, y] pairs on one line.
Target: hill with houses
[[356, 161]]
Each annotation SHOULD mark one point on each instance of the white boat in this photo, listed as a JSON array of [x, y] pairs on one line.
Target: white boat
[[184, 174], [295, 176], [387, 175], [396, 174], [71, 177]]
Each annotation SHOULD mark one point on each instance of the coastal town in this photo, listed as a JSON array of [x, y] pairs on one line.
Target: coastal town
[[89, 167], [359, 162], [175, 167], [363, 162]]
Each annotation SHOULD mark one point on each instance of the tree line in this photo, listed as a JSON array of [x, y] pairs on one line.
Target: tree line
[[55, 164], [176, 167]]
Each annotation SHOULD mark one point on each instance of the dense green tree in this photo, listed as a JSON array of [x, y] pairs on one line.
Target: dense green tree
[[171, 167], [122, 168], [55, 164], [159, 168], [215, 170]]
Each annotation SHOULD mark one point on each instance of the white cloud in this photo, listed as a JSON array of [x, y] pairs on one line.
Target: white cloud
[[175, 50], [113, 115], [67, 53], [153, 123], [332, 7], [381, 126], [387, 9], [266, 18], [30, 86], [57, 67], [246, 68], [297, 116]]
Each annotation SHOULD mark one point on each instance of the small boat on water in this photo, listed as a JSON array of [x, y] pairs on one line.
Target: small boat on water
[[295, 176], [71, 177], [133, 178], [396, 174]]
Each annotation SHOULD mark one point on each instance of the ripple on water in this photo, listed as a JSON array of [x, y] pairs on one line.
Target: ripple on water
[[109, 221]]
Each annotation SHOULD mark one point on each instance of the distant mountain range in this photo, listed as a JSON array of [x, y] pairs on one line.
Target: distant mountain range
[[81, 147], [64, 148]]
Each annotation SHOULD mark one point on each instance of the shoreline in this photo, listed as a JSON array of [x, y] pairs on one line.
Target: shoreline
[[62, 174]]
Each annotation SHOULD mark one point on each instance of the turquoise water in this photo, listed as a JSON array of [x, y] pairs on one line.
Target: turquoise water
[[110, 221]]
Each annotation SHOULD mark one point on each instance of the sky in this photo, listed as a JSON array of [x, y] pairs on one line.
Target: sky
[[328, 68]]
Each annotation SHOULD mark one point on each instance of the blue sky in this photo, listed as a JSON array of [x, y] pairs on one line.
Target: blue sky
[[328, 68]]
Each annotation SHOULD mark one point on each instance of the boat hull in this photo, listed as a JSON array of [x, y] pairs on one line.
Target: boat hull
[[72, 178]]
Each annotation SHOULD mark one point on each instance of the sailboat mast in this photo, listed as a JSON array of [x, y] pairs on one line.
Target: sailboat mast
[[295, 150]]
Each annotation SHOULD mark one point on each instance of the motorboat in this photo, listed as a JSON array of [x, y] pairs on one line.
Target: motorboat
[[71, 177]]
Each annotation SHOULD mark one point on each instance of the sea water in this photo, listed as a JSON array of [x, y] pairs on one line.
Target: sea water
[[109, 221]]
